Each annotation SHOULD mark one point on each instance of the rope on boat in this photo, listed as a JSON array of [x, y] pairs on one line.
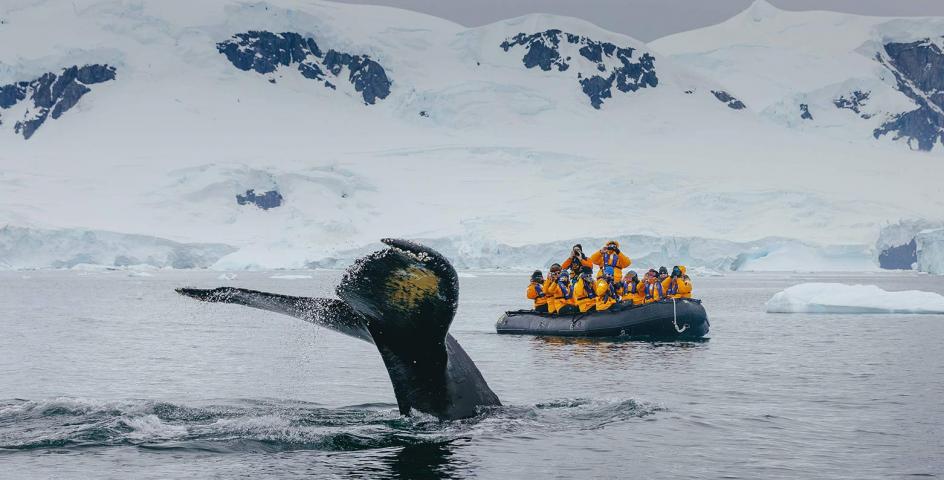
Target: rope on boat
[[675, 318]]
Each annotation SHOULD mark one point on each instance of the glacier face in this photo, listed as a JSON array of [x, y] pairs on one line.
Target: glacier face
[[31, 248], [930, 251]]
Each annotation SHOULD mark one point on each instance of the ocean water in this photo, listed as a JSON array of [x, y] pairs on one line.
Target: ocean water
[[108, 375]]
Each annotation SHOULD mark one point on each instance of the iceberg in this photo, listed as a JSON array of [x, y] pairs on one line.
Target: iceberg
[[842, 298], [930, 251]]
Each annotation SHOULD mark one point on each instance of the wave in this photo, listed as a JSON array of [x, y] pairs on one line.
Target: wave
[[278, 425]]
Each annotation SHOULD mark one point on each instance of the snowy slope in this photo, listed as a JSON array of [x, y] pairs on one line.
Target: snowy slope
[[465, 134], [847, 76]]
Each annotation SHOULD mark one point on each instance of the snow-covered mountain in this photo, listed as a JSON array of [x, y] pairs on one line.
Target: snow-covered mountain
[[293, 131], [851, 77]]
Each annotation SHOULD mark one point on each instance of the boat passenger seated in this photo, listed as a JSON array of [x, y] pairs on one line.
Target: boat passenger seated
[[606, 290], [653, 291], [633, 289], [536, 292], [584, 291], [576, 262], [680, 285], [610, 256], [560, 293]]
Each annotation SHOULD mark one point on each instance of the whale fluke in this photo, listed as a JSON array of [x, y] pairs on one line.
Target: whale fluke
[[403, 300]]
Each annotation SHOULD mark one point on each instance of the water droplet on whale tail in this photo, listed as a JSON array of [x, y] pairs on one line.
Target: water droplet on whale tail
[[403, 300]]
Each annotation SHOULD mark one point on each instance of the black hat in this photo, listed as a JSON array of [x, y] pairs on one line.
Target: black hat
[[537, 275], [578, 246], [587, 270], [663, 270]]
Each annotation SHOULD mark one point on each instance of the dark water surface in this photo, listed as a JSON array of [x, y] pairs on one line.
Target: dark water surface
[[105, 375]]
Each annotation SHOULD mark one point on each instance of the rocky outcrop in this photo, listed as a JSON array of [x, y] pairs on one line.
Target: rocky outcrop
[[854, 101], [919, 71], [727, 99], [265, 201], [265, 52], [805, 112], [52, 94], [610, 65]]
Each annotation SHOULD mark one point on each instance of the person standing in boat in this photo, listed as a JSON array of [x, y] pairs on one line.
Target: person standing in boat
[[576, 262], [611, 256], [584, 291], [536, 292]]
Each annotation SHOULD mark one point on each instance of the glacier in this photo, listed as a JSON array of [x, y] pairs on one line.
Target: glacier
[[34, 248], [930, 251], [840, 298]]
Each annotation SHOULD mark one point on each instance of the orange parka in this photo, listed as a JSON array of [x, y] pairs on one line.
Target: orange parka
[[606, 298], [618, 261], [536, 292], [585, 295]]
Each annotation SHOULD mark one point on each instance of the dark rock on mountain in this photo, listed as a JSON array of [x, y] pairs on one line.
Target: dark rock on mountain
[[265, 52], [52, 94], [919, 70], [855, 101], [805, 112], [612, 65], [726, 98], [267, 200], [901, 257]]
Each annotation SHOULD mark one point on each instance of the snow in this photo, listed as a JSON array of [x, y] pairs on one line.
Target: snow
[[291, 277], [841, 298], [162, 151], [931, 251], [23, 248]]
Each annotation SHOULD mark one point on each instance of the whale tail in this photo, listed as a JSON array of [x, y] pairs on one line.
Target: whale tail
[[403, 300]]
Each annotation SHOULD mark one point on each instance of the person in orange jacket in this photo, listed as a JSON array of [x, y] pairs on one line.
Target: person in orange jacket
[[610, 256], [576, 262], [561, 293], [535, 292], [679, 285], [653, 291], [584, 291], [633, 291], [606, 290]]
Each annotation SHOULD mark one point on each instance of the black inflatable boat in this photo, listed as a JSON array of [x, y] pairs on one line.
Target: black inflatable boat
[[679, 319]]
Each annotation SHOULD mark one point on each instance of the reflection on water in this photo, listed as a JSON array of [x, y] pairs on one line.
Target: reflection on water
[[611, 350], [429, 461]]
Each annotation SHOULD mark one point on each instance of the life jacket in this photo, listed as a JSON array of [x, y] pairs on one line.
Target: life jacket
[[610, 260], [650, 290], [567, 290]]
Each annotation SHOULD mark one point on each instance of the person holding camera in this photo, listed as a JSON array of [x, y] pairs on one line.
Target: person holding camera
[[560, 292], [576, 262], [535, 292], [633, 289], [679, 285], [606, 290], [584, 290], [610, 256]]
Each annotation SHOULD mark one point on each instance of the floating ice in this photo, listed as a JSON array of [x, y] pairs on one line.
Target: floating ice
[[290, 277], [841, 298]]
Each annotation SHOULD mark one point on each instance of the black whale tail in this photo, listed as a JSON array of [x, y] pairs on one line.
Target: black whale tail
[[403, 300]]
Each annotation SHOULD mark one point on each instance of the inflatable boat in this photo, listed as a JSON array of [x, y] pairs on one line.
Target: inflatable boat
[[667, 319]]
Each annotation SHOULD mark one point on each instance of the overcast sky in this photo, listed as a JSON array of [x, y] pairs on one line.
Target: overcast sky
[[646, 19]]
